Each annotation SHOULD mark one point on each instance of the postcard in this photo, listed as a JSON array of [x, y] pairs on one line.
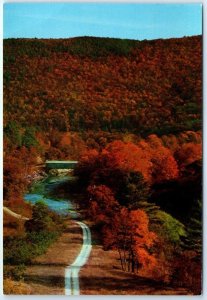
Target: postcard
[[102, 148]]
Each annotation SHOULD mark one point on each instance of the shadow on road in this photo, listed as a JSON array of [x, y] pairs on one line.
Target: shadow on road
[[135, 285], [118, 283], [47, 280]]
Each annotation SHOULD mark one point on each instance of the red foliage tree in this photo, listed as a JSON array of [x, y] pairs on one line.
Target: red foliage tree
[[188, 153], [102, 204]]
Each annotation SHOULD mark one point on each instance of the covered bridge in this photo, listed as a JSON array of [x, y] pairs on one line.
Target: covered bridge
[[61, 164]]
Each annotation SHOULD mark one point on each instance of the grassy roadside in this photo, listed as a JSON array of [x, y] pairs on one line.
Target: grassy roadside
[[46, 274], [31, 239]]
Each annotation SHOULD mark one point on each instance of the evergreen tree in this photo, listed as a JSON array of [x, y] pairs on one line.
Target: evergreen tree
[[29, 139], [133, 191], [193, 241]]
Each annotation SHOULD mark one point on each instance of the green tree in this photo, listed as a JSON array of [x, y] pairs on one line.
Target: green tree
[[168, 227], [13, 132], [41, 219], [193, 241], [133, 189], [29, 139]]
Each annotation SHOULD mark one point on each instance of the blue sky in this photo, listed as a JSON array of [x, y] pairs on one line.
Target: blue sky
[[120, 20]]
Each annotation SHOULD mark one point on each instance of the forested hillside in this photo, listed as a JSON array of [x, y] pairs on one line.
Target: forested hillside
[[111, 85], [130, 112]]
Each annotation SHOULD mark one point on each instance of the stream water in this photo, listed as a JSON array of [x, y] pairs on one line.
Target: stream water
[[42, 191]]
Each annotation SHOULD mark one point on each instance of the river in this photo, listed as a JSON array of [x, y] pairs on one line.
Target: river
[[42, 191]]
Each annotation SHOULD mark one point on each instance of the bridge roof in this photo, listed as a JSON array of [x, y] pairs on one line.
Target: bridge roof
[[61, 161]]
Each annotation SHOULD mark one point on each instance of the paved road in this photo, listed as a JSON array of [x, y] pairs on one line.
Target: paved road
[[13, 214], [72, 271]]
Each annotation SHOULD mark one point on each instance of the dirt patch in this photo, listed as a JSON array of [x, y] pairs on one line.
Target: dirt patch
[[12, 287]]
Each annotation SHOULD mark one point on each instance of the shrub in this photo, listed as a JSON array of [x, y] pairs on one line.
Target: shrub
[[21, 250], [41, 231], [15, 272]]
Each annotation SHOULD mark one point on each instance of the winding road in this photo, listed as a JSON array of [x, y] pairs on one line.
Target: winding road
[[72, 271]]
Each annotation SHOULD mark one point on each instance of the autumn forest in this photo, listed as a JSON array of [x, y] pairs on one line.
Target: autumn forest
[[130, 113]]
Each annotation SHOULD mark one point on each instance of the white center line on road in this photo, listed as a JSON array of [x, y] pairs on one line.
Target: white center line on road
[[72, 271]]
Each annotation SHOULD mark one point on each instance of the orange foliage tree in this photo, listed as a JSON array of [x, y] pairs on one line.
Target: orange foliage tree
[[155, 162], [130, 235]]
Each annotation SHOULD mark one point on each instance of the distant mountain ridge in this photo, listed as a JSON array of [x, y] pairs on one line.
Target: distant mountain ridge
[[90, 46]]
